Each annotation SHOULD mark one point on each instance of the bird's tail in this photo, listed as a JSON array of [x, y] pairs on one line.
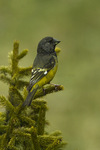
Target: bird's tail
[[29, 97]]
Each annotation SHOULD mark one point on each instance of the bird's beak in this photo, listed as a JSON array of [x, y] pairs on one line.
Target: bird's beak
[[56, 41]]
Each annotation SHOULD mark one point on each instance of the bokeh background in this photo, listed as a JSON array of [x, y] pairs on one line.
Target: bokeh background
[[76, 110]]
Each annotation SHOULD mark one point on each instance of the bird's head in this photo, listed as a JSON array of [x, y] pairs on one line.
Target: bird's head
[[47, 45]]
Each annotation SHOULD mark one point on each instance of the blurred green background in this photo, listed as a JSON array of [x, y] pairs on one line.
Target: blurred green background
[[76, 110]]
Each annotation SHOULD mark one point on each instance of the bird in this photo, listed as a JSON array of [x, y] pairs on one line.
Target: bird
[[44, 67]]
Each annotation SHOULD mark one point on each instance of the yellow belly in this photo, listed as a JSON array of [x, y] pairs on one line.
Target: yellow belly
[[50, 75], [47, 78]]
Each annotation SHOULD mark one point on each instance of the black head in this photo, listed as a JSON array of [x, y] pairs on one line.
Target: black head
[[47, 45]]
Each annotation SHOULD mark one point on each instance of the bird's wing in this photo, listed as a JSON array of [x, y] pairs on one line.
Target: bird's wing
[[39, 73]]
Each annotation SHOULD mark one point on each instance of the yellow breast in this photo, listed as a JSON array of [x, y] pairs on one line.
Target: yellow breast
[[50, 75]]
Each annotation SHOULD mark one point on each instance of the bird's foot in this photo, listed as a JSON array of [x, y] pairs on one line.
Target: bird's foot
[[44, 91], [56, 86]]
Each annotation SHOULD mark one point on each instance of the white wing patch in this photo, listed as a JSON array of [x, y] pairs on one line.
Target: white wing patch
[[40, 69], [45, 72], [32, 70], [36, 72]]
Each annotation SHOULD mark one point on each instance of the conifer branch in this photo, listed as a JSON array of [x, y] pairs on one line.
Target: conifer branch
[[47, 89], [14, 57], [56, 133], [27, 120], [6, 103], [3, 129], [5, 79], [2, 118], [22, 127], [5, 70], [11, 144], [22, 54], [41, 119], [51, 142], [35, 138], [25, 71], [21, 83], [18, 94]]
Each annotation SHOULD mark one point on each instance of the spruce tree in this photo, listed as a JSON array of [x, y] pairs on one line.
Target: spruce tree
[[24, 128]]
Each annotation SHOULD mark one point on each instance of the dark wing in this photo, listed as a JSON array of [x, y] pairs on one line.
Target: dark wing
[[40, 72]]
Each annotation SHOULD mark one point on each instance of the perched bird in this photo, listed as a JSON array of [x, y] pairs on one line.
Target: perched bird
[[44, 67]]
